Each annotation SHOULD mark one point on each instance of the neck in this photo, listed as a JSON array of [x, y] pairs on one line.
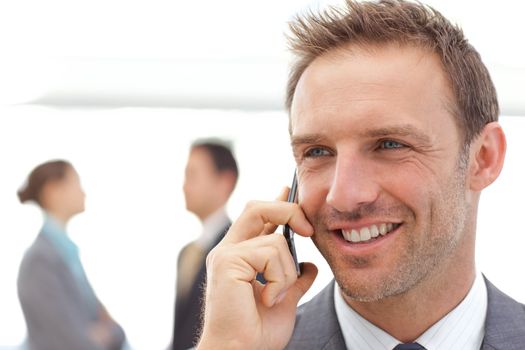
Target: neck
[[205, 215], [60, 217], [407, 316]]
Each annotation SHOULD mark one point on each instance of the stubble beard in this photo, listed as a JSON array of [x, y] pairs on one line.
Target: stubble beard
[[424, 254]]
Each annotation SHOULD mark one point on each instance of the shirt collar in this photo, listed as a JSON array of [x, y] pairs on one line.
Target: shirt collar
[[461, 329], [464, 326], [56, 233], [211, 227]]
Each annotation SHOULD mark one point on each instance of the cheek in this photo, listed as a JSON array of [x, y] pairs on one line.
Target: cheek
[[79, 196], [192, 186], [410, 190], [313, 189], [71, 198], [420, 193]]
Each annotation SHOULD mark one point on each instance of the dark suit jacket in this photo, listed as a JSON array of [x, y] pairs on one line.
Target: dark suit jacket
[[188, 311], [316, 326]]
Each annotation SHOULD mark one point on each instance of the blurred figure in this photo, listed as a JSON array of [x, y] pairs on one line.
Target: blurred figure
[[210, 178], [61, 309]]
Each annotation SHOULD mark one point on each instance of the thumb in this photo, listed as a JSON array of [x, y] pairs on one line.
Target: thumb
[[303, 283]]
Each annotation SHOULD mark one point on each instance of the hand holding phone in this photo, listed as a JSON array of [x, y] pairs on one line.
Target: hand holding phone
[[256, 316], [288, 232]]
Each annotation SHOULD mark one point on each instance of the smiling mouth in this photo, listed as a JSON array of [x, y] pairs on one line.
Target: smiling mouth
[[368, 233]]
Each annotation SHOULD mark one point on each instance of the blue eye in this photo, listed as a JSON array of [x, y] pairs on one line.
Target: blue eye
[[389, 144], [316, 152]]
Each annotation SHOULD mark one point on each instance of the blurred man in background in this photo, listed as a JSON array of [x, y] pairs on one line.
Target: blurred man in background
[[210, 178]]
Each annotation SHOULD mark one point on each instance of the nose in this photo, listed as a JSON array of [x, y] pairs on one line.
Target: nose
[[353, 184]]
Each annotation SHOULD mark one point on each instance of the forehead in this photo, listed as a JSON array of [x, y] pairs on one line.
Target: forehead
[[71, 173], [200, 158], [372, 85]]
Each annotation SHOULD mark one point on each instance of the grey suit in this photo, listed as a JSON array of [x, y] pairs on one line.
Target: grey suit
[[317, 327], [56, 311]]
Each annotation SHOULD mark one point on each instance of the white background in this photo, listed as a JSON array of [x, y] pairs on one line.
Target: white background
[[97, 83], [131, 163]]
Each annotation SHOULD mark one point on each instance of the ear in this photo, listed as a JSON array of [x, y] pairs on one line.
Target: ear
[[487, 154], [228, 181], [50, 193]]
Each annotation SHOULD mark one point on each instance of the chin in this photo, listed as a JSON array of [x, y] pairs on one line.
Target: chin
[[369, 289], [79, 211]]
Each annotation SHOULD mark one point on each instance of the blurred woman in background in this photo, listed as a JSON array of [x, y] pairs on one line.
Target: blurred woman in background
[[61, 309]]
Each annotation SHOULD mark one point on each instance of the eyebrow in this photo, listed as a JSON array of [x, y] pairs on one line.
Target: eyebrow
[[405, 130], [308, 139]]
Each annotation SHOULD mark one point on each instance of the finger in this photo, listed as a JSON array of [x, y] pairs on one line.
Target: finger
[[287, 261], [257, 214], [252, 251], [268, 255], [275, 282], [270, 227], [302, 284], [283, 195], [245, 259], [288, 275]]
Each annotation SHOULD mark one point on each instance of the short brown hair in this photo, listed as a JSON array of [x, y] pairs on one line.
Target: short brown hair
[[221, 154], [406, 23], [44, 173]]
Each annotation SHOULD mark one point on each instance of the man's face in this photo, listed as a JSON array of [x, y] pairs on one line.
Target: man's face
[[201, 183], [380, 172]]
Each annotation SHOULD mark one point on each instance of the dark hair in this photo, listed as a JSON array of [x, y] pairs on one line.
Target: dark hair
[[406, 23], [39, 177], [221, 155]]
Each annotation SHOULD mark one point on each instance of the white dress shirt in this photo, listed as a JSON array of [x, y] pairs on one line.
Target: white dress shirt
[[461, 329], [211, 227]]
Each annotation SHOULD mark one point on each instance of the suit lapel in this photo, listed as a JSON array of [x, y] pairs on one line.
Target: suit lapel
[[221, 235], [316, 326], [197, 289], [505, 323], [200, 280]]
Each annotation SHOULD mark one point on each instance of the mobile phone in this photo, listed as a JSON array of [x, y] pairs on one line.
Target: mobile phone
[[288, 232]]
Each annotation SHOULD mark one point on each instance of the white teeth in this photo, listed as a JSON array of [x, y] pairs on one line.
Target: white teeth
[[355, 236], [374, 232], [367, 233]]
